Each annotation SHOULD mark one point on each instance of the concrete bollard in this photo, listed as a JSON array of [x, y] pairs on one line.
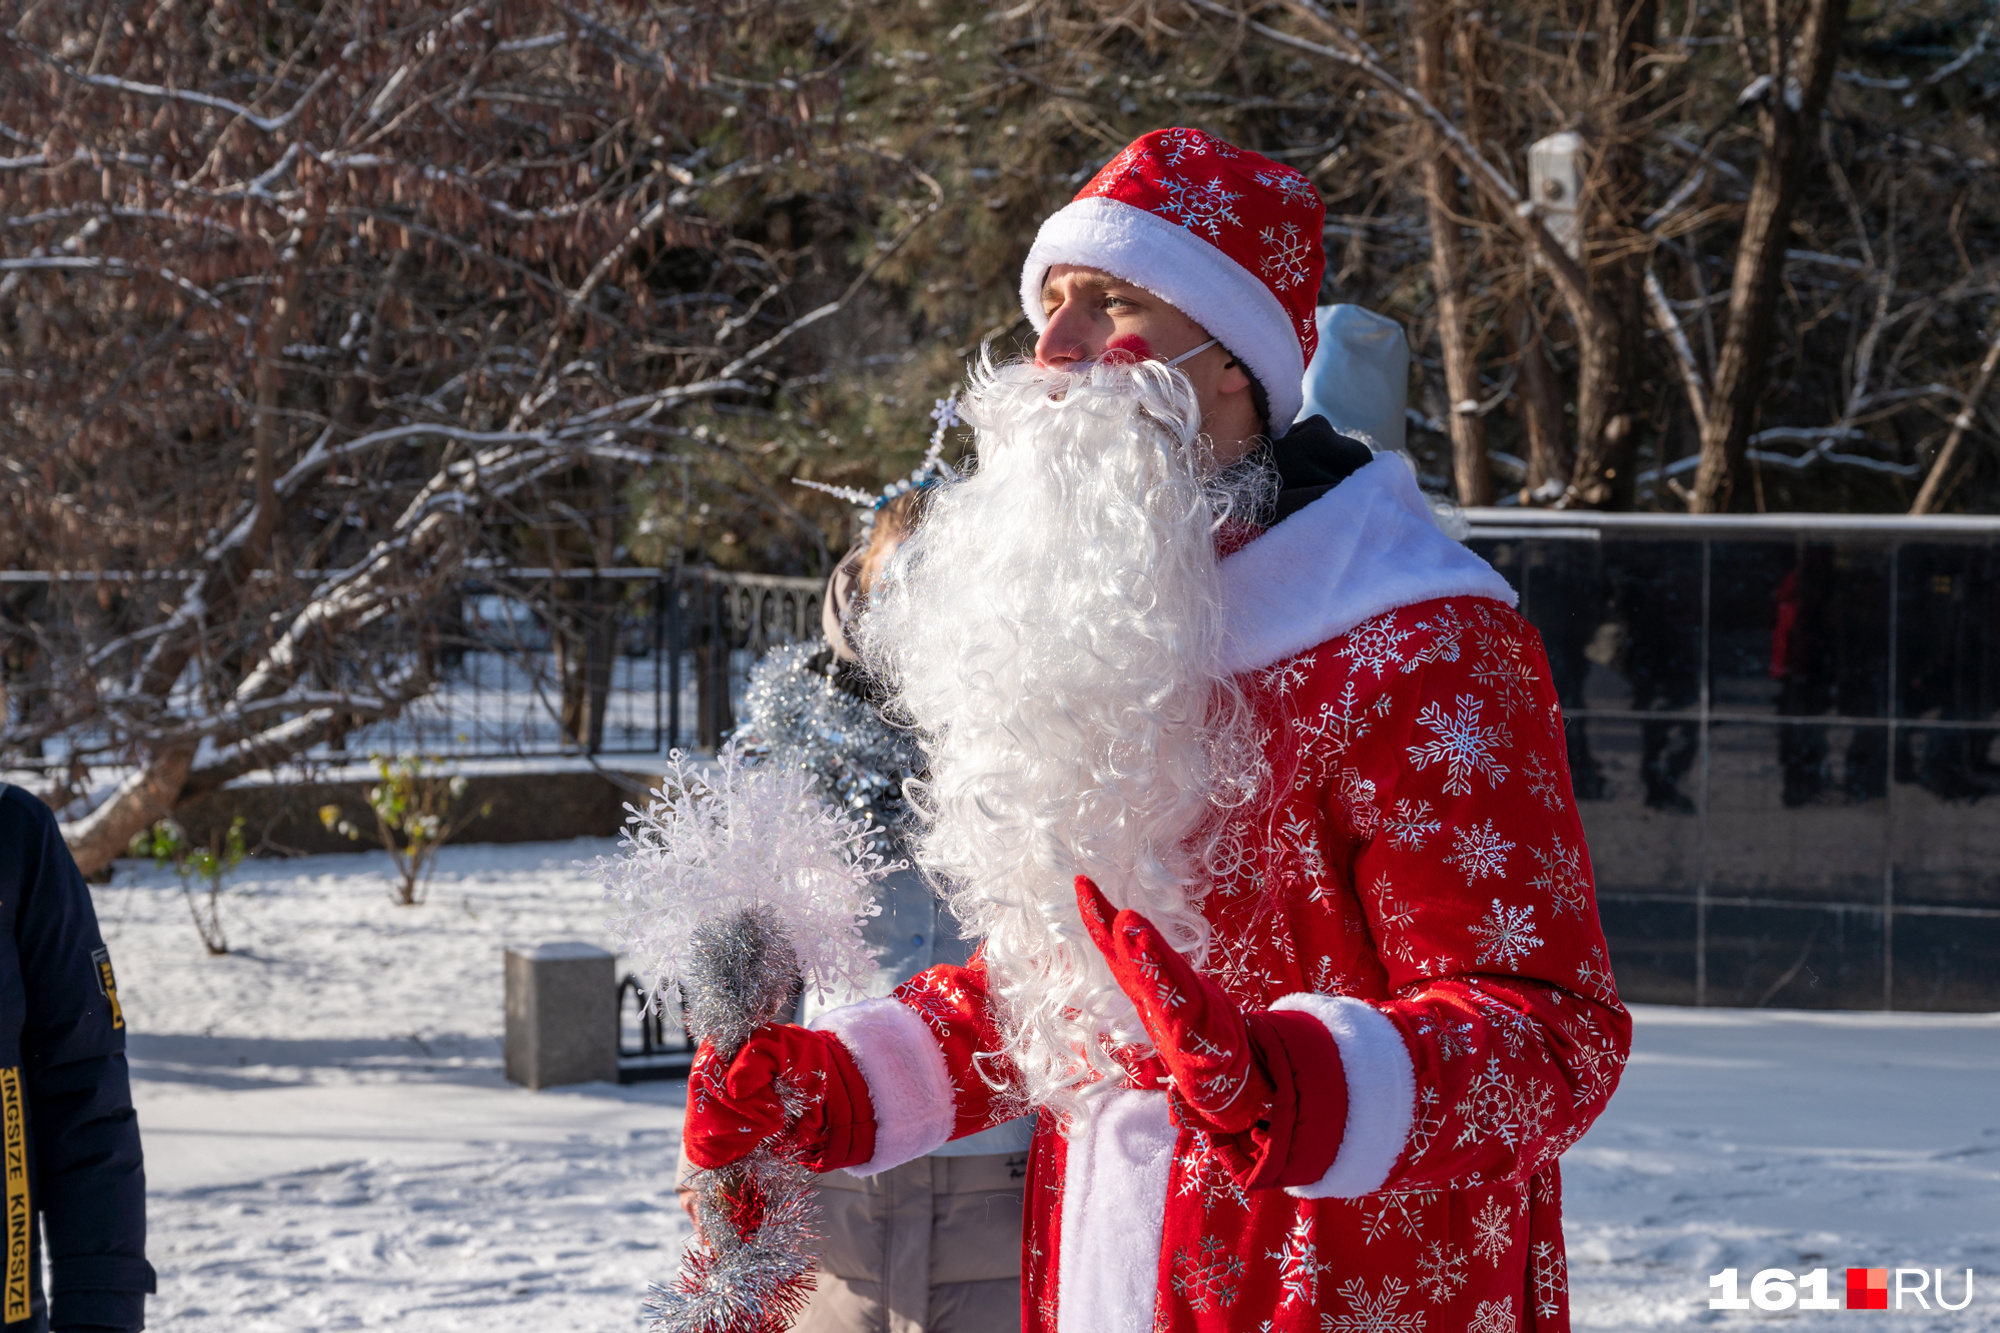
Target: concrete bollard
[[562, 1014]]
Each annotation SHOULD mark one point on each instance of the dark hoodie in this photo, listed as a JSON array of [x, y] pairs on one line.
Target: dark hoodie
[[67, 1129]]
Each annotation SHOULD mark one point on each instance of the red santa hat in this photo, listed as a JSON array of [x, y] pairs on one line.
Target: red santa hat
[[1226, 236]]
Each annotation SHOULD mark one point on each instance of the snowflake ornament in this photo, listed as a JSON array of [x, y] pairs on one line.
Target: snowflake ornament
[[715, 842]]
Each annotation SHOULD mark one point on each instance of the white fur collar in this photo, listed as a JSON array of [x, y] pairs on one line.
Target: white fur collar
[[1364, 548]]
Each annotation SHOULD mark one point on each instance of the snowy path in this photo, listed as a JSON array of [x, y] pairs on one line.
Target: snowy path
[[331, 1146], [1751, 1140]]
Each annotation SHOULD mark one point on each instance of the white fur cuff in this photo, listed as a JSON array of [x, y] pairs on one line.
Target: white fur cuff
[[1381, 1094], [906, 1075]]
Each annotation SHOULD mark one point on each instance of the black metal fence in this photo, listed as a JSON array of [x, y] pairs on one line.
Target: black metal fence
[[528, 662], [657, 660], [1782, 732]]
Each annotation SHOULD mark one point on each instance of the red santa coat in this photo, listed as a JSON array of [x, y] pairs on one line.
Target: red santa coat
[[1417, 881]]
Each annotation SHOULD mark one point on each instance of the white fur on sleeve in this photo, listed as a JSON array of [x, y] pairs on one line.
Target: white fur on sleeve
[[906, 1075], [1381, 1094]]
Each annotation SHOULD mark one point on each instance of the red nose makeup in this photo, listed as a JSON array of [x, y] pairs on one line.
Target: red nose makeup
[[1129, 347]]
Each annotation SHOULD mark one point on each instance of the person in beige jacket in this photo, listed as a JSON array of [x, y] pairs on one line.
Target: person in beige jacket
[[934, 1245]]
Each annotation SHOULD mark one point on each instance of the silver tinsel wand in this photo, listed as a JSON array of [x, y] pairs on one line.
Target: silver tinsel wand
[[740, 887]]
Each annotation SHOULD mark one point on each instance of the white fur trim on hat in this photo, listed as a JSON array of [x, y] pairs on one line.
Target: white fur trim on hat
[[907, 1080], [1185, 271], [1381, 1094]]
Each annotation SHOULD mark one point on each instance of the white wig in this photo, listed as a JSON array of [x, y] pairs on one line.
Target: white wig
[[1054, 632]]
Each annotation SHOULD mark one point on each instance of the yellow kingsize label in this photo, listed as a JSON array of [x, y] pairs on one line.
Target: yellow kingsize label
[[108, 983], [20, 1219]]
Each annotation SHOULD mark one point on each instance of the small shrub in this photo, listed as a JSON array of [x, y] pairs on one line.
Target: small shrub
[[166, 843], [414, 806]]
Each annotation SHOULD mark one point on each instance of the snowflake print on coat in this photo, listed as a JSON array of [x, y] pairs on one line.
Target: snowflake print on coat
[[1375, 868], [1561, 878], [1205, 1276], [1395, 1212], [1541, 780], [1493, 1231], [1503, 667], [1492, 1317], [1461, 744], [1478, 850], [1441, 1271], [1495, 1106], [1204, 1177], [1299, 1265], [1200, 207], [1356, 795], [1381, 1312], [1377, 645], [1341, 724], [1410, 822], [1506, 935], [1549, 1268]]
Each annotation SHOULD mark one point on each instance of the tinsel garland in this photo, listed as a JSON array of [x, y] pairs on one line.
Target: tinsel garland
[[793, 715], [739, 887], [751, 1270]]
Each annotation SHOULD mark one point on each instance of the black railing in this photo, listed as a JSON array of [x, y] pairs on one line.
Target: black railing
[[527, 662], [1782, 735], [650, 1046]]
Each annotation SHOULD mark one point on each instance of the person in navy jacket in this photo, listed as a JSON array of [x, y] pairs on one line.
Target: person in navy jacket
[[69, 1139]]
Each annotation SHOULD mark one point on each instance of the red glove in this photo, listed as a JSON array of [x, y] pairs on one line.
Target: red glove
[[1197, 1029], [821, 1114], [1246, 1078]]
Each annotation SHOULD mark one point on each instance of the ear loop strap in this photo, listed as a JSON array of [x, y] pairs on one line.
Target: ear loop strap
[[1194, 351]]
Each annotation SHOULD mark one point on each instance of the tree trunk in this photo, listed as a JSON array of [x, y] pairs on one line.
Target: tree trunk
[[1785, 120], [1471, 470], [1937, 482], [103, 835], [1541, 398], [585, 650], [1609, 358]]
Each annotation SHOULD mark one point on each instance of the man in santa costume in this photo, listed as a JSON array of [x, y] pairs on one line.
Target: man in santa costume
[[1250, 783]]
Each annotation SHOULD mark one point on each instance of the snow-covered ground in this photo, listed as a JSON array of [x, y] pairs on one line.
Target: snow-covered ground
[[331, 1145]]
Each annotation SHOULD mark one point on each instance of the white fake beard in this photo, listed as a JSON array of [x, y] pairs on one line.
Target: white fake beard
[[1054, 630]]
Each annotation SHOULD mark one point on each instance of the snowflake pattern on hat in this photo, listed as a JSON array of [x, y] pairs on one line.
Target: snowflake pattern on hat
[[1202, 207], [1178, 143]]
